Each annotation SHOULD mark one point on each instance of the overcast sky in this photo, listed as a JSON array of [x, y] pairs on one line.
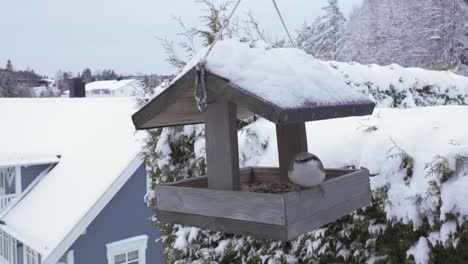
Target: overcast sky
[[49, 35]]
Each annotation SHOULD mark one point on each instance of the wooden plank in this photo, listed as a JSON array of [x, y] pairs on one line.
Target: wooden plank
[[244, 212], [265, 231], [308, 203], [314, 112], [266, 174], [331, 214], [199, 182], [244, 206], [185, 111], [175, 106], [291, 139], [222, 151], [246, 176], [271, 174], [143, 118], [252, 174]]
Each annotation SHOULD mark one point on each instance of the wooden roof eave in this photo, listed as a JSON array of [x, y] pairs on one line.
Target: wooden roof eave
[[174, 99], [145, 118]]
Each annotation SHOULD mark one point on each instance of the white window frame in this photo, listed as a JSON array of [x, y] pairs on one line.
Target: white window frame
[[128, 245]]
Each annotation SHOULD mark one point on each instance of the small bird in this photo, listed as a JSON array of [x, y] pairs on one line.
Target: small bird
[[306, 170]]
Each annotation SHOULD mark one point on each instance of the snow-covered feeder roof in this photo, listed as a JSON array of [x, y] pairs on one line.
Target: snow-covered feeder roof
[[283, 85], [98, 153], [111, 85]]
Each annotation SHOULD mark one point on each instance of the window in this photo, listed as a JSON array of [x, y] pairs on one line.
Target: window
[[30, 256], [128, 251]]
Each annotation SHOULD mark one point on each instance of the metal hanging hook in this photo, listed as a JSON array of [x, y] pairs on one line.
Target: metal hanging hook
[[200, 95]]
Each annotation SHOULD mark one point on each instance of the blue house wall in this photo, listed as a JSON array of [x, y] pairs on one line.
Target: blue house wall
[[125, 216], [30, 173]]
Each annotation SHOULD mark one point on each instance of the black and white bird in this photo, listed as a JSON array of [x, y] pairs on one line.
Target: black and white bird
[[306, 170]]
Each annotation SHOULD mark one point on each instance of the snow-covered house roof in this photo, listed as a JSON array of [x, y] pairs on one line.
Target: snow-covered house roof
[[7, 160], [111, 85], [282, 85], [98, 153]]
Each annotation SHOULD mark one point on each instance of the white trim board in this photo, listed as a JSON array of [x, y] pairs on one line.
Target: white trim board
[[107, 196]]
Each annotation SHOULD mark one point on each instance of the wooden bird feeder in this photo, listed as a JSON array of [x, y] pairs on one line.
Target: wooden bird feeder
[[216, 202]]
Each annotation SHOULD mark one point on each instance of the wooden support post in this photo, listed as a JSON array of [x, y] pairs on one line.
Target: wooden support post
[[292, 139], [222, 154]]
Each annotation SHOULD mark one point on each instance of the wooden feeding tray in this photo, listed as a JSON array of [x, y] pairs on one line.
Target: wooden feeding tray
[[226, 199], [280, 216]]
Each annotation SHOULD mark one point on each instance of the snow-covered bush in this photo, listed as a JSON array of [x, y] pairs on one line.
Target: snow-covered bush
[[396, 86]]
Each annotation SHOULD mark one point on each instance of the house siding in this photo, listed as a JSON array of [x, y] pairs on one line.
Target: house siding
[[125, 216], [30, 173]]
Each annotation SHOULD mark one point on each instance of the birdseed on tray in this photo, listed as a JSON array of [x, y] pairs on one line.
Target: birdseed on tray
[[270, 187]]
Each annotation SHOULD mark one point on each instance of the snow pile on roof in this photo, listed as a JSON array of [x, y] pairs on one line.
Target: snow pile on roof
[[287, 77], [96, 141], [394, 85], [112, 85]]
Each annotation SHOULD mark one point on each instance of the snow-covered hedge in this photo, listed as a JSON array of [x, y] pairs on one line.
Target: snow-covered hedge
[[396, 86], [418, 158]]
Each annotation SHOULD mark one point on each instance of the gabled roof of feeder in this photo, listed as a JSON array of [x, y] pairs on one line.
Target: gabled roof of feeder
[[284, 86]]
